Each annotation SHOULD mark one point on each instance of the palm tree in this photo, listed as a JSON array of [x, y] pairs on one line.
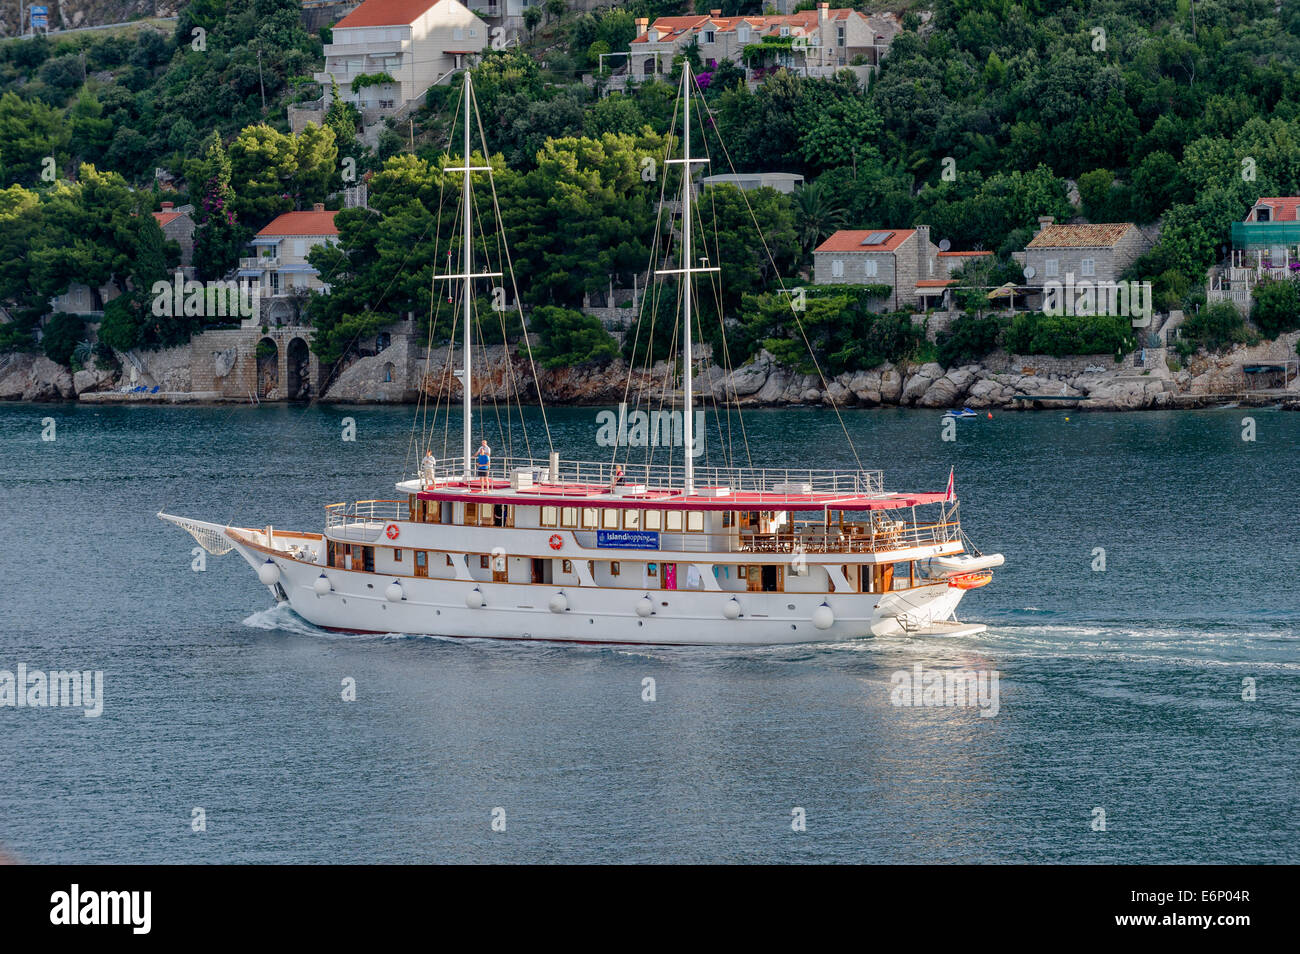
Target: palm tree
[[819, 213]]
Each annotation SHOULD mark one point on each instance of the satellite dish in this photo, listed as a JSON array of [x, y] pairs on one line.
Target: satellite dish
[[944, 245], [1030, 271]]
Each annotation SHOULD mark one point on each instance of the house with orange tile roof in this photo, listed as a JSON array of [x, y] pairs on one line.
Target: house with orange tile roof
[[816, 42], [279, 272], [918, 272], [419, 43], [178, 226]]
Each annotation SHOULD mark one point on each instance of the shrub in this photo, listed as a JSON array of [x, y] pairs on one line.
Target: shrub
[[569, 337], [967, 339], [1277, 307], [1214, 327], [63, 332], [1061, 335]]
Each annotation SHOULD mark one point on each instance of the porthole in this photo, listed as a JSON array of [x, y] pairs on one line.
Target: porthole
[[789, 606]]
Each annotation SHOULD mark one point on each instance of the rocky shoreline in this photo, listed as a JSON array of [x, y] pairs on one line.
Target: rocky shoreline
[[999, 381]]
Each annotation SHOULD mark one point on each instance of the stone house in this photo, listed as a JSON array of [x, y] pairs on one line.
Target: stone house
[[178, 226], [918, 272], [820, 41], [1075, 253]]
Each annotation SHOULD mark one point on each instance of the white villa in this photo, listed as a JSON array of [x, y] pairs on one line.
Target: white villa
[[280, 270], [419, 43]]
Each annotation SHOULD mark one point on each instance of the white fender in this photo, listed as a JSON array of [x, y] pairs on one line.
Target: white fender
[[731, 608], [823, 617], [474, 598], [644, 607], [394, 592], [559, 602], [268, 573], [322, 585]]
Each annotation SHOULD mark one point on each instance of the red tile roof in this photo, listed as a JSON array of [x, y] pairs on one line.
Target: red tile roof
[[962, 254], [386, 13], [1284, 207], [302, 223], [935, 282], [166, 218], [1080, 236], [850, 240], [672, 28]]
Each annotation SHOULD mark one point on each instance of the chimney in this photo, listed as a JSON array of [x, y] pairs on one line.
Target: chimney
[[823, 12], [715, 13], [1043, 222], [167, 205], [923, 253], [318, 206], [642, 25]]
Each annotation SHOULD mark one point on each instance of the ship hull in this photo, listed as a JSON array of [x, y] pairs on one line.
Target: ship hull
[[358, 602]]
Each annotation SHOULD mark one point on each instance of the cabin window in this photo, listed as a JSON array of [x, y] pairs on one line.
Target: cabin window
[[654, 520], [589, 518], [449, 563], [397, 556], [569, 516], [550, 516], [609, 519], [652, 569], [728, 518], [674, 522], [484, 562], [742, 572], [566, 566], [632, 519], [695, 521], [486, 515], [614, 568]]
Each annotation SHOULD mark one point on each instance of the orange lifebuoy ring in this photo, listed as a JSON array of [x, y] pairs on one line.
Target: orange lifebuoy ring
[[392, 531], [557, 541]]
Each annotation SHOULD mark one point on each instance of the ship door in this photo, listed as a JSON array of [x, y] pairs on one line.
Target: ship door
[[539, 570], [421, 562], [771, 578], [499, 563]]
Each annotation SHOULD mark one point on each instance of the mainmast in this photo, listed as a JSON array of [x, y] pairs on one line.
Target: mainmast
[[468, 275], [467, 407], [688, 396]]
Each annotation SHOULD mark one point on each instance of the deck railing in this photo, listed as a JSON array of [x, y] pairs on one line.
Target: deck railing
[[364, 520], [799, 541], [776, 482]]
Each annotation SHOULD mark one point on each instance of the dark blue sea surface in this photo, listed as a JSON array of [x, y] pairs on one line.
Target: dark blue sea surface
[[1120, 690]]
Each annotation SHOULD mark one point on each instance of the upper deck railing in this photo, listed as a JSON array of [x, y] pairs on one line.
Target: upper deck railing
[[775, 482], [364, 520]]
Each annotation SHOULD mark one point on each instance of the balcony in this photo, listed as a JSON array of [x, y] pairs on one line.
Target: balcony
[[260, 262]]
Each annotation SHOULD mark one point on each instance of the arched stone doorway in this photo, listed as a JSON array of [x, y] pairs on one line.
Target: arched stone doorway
[[298, 370], [268, 367]]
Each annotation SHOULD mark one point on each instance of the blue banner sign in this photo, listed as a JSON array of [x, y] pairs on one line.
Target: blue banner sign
[[40, 17], [628, 539]]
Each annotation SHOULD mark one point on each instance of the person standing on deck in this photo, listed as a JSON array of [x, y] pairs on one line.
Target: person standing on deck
[[484, 461]]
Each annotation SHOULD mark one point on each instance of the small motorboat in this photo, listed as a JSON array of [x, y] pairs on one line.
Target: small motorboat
[[964, 412]]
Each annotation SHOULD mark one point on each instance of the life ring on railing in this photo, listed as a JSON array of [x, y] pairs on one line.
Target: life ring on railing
[[392, 531], [557, 541]]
